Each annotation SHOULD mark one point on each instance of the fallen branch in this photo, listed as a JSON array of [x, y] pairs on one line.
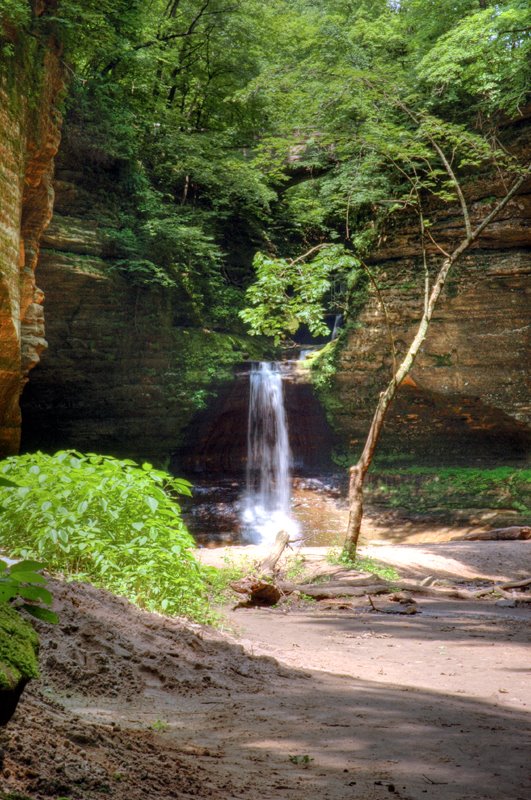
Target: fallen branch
[[518, 597], [515, 584], [267, 567], [261, 588], [325, 592], [499, 534], [259, 592]]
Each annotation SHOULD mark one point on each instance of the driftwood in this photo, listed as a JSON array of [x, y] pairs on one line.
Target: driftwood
[[258, 591], [515, 584], [500, 534], [518, 597], [265, 589], [268, 565], [324, 591]]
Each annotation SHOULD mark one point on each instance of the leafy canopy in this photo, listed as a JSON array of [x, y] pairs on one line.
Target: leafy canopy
[[215, 130]]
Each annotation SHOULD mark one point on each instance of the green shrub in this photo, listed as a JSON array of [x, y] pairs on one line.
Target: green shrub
[[108, 521]]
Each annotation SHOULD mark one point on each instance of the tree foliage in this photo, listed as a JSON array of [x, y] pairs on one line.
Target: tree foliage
[[295, 292], [214, 129], [371, 100]]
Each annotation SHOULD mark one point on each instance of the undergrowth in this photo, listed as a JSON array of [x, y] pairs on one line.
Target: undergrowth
[[111, 522], [423, 488], [338, 557], [218, 579]]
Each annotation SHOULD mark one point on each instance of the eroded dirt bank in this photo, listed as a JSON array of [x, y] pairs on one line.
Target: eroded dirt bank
[[133, 705]]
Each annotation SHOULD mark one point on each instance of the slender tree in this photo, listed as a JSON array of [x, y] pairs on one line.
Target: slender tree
[[359, 471]]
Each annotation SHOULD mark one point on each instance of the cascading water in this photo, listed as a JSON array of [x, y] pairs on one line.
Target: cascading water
[[266, 506]]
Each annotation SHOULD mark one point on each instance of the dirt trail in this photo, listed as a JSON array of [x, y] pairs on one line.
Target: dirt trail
[[135, 706]]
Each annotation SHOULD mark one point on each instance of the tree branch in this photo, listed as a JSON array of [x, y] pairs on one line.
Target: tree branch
[[309, 253]]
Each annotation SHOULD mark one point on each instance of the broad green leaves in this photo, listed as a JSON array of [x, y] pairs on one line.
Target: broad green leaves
[[483, 60], [106, 520], [23, 582], [290, 293]]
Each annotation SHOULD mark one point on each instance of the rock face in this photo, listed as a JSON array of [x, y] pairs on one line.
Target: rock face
[[123, 373], [216, 440], [467, 397], [29, 140]]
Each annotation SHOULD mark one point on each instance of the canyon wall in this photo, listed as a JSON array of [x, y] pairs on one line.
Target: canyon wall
[[29, 139], [467, 396], [125, 374], [124, 371]]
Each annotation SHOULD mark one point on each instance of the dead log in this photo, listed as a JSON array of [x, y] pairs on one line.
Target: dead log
[[518, 597], [323, 591], [355, 579], [259, 591], [260, 588], [438, 591], [515, 584], [500, 534], [267, 567]]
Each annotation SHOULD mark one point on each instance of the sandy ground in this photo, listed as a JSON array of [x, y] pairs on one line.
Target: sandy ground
[[354, 705], [496, 561]]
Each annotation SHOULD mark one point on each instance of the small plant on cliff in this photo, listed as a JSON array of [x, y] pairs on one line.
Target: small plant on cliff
[[105, 520]]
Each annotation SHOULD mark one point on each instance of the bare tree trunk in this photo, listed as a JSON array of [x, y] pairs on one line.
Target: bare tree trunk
[[359, 470]]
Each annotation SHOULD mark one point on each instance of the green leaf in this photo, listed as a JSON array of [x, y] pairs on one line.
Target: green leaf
[[25, 567], [37, 593], [153, 503], [43, 614], [7, 592], [29, 577]]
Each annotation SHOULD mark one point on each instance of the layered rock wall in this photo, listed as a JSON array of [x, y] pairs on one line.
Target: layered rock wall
[[124, 373], [467, 396], [29, 139]]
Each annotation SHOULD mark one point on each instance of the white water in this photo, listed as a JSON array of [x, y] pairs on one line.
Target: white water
[[266, 506], [338, 322]]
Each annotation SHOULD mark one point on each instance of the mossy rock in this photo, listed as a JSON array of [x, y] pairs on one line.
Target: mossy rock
[[19, 646], [13, 796]]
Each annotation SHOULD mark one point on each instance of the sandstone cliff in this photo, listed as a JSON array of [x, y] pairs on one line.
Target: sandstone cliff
[[29, 139], [467, 397], [125, 370]]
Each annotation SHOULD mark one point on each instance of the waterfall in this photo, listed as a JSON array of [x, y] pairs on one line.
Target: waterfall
[[266, 506], [338, 321]]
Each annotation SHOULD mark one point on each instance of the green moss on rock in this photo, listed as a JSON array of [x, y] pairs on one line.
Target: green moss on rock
[[19, 646], [323, 368], [425, 489]]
